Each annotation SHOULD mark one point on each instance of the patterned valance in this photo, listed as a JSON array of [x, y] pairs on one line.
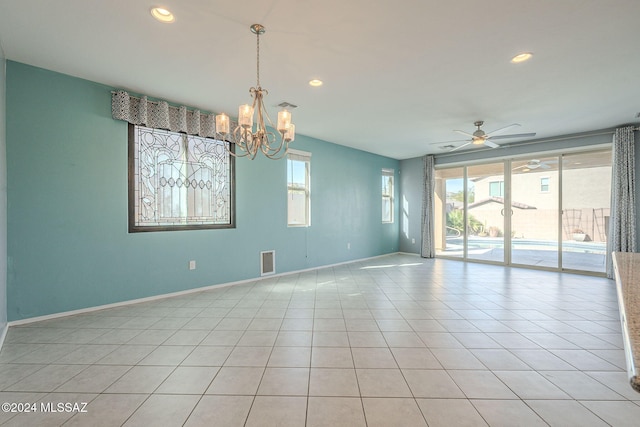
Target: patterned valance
[[161, 115]]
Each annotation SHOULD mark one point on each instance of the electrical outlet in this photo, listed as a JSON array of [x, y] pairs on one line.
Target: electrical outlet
[[413, 241], [348, 246], [192, 265]]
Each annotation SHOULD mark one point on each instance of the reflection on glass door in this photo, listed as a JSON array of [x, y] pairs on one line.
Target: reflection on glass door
[[535, 190], [449, 211], [586, 195], [485, 212]]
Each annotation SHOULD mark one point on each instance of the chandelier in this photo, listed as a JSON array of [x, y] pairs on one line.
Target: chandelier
[[247, 142]]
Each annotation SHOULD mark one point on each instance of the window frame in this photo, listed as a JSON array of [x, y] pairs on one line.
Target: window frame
[[548, 184], [501, 188], [388, 173], [304, 157], [135, 227]]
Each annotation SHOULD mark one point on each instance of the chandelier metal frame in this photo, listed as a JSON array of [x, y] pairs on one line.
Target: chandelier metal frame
[[247, 142]]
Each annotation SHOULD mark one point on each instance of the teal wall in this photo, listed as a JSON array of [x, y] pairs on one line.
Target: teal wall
[[68, 245], [3, 199]]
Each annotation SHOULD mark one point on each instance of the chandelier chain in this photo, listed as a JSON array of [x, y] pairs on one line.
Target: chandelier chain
[[258, 59]]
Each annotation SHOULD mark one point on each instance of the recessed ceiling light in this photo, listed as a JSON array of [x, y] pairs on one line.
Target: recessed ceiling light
[[521, 57], [315, 82], [162, 15]]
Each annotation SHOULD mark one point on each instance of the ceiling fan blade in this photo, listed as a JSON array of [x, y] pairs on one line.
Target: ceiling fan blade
[[490, 144], [519, 167], [470, 135], [503, 128], [514, 135], [457, 148], [544, 166], [448, 142]]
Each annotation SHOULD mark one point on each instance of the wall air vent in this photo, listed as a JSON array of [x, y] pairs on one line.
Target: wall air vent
[[267, 263]]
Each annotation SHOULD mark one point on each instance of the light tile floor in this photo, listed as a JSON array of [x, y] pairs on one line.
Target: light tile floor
[[394, 341]]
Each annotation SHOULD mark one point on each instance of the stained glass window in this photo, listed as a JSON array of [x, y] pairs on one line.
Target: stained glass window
[[178, 181]]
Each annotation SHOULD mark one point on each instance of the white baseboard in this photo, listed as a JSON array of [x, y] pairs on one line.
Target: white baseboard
[[172, 294]]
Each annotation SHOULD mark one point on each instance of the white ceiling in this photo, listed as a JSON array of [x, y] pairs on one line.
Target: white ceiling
[[398, 75]]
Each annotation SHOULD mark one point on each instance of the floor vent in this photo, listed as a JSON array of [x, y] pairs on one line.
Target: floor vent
[[267, 263]]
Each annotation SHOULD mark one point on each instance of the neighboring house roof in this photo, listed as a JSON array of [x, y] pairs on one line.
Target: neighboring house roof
[[501, 201]]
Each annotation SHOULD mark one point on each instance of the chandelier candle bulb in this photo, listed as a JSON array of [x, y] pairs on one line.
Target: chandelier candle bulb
[[290, 133], [222, 123], [284, 121], [245, 116]]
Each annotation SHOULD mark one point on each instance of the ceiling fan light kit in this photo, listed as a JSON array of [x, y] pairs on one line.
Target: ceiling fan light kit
[[534, 164], [479, 136]]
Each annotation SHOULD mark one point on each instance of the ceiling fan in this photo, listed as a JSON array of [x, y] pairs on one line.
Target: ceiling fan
[[480, 137], [535, 164]]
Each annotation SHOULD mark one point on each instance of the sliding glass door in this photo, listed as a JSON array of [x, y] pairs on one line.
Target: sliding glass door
[[485, 212], [449, 208], [534, 211], [586, 196], [547, 212]]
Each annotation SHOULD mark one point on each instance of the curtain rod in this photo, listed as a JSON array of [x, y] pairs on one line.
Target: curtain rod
[[538, 141], [206, 111], [636, 128], [562, 138], [113, 92]]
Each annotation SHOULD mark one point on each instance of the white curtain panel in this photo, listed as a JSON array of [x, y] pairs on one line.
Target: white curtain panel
[[622, 224], [428, 225]]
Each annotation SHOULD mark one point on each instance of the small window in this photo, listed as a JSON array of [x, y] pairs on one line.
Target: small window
[[387, 195], [544, 185], [298, 188], [496, 189], [179, 181]]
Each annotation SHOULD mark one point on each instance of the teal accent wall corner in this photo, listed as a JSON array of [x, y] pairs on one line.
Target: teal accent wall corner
[[3, 197], [68, 245]]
